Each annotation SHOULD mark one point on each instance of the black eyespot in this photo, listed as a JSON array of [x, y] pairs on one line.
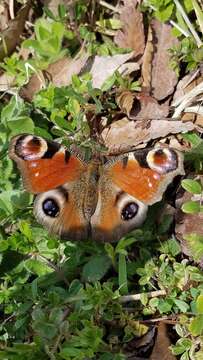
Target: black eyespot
[[50, 207], [129, 211]]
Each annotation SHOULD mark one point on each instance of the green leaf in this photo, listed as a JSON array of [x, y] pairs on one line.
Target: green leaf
[[96, 268], [71, 352], [196, 325], [192, 186], [182, 305], [165, 14], [122, 274], [21, 124], [37, 267], [199, 304], [199, 14], [191, 207], [195, 243], [181, 346]]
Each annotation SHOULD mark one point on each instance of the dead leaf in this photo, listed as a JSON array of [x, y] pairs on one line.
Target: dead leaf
[[4, 16], [150, 108], [6, 82], [54, 4], [132, 34], [125, 101], [125, 134], [147, 60], [161, 349], [187, 84], [141, 106], [164, 78], [10, 37], [60, 73], [140, 346], [104, 66], [131, 2]]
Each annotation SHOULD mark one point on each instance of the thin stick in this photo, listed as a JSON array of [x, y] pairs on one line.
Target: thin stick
[[137, 297], [188, 22], [109, 6], [11, 9]]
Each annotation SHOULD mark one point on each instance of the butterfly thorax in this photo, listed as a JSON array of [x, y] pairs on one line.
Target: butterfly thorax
[[91, 189]]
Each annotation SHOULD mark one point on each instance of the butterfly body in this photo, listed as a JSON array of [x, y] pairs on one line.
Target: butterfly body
[[103, 198]]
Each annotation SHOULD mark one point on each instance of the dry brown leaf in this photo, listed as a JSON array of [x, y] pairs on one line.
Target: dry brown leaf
[[150, 108], [164, 78], [4, 16], [11, 36], [131, 2], [161, 349], [125, 134], [6, 82], [141, 106], [125, 101], [141, 345], [104, 66], [132, 34], [185, 85], [53, 5], [189, 81], [60, 73], [147, 60]]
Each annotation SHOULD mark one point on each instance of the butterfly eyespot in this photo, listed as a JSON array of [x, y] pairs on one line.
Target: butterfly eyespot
[[29, 147], [50, 207], [162, 160], [129, 211]]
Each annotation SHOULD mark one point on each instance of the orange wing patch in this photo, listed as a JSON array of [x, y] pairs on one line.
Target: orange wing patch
[[46, 174], [142, 183]]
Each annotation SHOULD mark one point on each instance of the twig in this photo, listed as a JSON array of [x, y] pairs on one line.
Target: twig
[[11, 9], [109, 6], [177, 26], [185, 100], [188, 22], [137, 297]]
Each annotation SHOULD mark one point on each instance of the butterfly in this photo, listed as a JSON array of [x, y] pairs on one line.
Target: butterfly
[[103, 198]]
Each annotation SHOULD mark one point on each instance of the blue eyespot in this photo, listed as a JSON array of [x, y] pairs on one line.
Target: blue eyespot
[[50, 207], [129, 211]]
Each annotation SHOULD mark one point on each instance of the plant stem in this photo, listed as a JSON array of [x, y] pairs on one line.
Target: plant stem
[[137, 297]]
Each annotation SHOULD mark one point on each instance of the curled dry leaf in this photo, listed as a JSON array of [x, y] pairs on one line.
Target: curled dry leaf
[[161, 349], [147, 60], [141, 106], [10, 37], [125, 101], [164, 79], [140, 346], [132, 33], [124, 134]]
